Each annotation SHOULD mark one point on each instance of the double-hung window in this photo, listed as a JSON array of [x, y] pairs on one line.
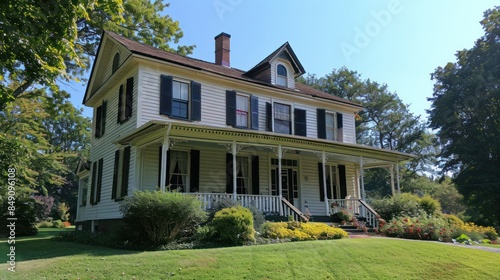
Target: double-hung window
[[178, 171], [282, 118], [242, 107], [121, 173], [331, 129], [242, 175], [180, 99], [242, 110]]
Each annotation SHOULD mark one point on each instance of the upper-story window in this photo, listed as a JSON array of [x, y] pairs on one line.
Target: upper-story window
[[282, 118], [180, 99], [116, 63], [100, 120], [330, 125], [242, 106], [331, 128], [281, 75], [125, 100], [242, 110]]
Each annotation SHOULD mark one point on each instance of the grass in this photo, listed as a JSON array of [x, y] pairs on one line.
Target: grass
[[372, 258]]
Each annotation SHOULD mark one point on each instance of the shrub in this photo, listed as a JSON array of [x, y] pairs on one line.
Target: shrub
[[58, 224], [297, 231], [258, 218], [399, 205], [421, 227], [234, 225], [63, 211], [463, 238], [430, 205], [156, 218], [26, 217], [45, 224]]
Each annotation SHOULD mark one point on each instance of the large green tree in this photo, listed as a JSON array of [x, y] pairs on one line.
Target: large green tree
[[42, 41], [466, 112]]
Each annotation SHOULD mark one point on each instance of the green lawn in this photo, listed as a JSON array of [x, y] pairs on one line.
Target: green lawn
[[371, 258]]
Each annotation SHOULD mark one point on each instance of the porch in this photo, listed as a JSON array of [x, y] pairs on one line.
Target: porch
[[278, 174]]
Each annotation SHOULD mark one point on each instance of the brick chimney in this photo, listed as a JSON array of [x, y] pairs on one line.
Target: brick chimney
[[222, 49]]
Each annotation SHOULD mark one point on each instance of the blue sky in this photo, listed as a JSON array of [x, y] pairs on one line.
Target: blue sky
[[395, 42]]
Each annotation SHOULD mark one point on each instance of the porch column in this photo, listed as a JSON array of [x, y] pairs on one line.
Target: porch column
[[362, 174], [233, 152], [163, 171], [280, 182], [397, 177], [391, 170], [138, 168], [323, 166]]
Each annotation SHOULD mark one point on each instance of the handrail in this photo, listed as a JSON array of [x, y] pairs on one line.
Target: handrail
[[296, 213], [372, 217]]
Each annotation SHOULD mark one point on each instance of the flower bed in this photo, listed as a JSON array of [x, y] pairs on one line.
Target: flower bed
[[297, 231]]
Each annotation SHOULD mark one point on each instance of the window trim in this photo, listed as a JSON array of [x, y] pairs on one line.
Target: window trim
[[187, 183], [334, 113], [187, 102]]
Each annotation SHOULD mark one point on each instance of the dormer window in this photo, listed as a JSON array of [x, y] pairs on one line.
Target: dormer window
[[116, 63], [281, 77]]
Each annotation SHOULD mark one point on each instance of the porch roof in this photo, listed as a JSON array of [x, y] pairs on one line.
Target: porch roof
[[156, 131]]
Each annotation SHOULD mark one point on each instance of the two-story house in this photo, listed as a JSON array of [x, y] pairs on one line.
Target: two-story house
[[168, 122]]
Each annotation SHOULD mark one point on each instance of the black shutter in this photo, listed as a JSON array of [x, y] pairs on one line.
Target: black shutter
[[321, 185], [195, 101], [98, 120], [300, 122], [115, 174], [93, 183], [255, 175], [166, 95], [340, 124], [269, 117], [342, 182], [99, 180], [229, 173], [195, 171], [254, 107], [103, 119], [231, 107], [129, 98], [126, 171], [120, 104], [321, 123]]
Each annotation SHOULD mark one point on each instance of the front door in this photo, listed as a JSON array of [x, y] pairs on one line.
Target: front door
[[289, 180]]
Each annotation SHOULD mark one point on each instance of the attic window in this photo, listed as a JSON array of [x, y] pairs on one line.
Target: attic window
[[116, 63], [281, 77]]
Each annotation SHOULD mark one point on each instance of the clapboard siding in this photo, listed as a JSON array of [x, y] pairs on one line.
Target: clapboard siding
[[310, 188], [150, 168], [105, 149], [213, 170], [106, 62]]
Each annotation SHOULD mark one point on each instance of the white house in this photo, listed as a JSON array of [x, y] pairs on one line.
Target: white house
[[164, 121]]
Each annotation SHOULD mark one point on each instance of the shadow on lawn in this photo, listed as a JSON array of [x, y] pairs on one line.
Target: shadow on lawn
[[42, 247]]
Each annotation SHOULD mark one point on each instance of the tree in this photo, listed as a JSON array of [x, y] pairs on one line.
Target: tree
[[42, 41], [386, 122], [466, 112]]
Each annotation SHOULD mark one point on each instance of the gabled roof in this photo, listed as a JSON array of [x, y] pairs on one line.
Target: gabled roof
[[233, 73], [266, 62]]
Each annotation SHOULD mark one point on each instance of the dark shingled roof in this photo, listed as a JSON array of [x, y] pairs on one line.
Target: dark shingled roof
[[149, 51]]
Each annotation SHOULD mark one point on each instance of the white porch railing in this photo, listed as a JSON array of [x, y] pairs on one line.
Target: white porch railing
[[267, 204], [357, 208]]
